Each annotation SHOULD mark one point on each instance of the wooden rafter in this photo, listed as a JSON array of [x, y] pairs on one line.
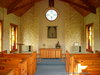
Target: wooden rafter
[[22, 12], [78, 5], [12, 6], [51, 3], [22, 6], [88, 4]]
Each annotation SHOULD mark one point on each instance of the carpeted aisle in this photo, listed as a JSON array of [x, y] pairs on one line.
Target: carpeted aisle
[[51, 67]]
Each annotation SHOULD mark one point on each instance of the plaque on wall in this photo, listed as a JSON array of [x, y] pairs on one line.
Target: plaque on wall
[[52, 31]]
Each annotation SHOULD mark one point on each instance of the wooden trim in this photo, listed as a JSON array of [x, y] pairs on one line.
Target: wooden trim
[[1, 35], [81, 6], [91, 24], [87, 37], [22, 6]]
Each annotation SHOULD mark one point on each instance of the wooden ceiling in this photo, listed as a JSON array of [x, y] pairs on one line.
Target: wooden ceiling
[[19, 7]]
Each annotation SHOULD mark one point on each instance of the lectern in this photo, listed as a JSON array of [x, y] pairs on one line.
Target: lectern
[[20, 47]]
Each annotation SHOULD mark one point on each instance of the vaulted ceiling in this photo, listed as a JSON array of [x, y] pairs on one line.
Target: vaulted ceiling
[[19, 7]]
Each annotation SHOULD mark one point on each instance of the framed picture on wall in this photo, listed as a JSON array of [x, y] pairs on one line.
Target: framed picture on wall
[[52, 31]]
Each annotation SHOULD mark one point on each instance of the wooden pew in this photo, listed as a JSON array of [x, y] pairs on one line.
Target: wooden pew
[[93, 71], [93, 66], [6, 71], [15, 68], [15, 63], [97, 52], [30, 58], [18, 63], [80, 56], [89, 60], [72, 61], [3, 52], [32, 62]]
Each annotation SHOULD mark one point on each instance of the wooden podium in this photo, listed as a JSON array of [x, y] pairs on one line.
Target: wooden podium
[[20, 47]]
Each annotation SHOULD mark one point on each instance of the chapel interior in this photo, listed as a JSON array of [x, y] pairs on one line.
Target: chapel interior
[[49, 37]]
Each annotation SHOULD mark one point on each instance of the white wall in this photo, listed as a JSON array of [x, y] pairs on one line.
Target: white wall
[[7, 19], [30, 28], [34, 26], [70, 27], [95, 19], [44, 23]]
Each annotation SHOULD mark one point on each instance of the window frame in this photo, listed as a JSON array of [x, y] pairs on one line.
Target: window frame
[[1, 35], [89, 48], [16, 37]]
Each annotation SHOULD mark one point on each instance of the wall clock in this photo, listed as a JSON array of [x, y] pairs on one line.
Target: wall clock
[[51, 15]]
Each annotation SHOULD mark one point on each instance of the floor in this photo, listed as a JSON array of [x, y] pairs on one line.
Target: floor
[[50, 67]]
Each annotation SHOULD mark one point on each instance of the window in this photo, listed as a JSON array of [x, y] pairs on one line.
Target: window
[[51, 15], [89, 37], [13, 36], [0, 36]]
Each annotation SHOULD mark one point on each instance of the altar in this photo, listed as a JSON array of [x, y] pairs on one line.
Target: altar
[[50, 52]]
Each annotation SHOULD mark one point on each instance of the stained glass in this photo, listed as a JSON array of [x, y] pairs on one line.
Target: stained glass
[[51, 15]]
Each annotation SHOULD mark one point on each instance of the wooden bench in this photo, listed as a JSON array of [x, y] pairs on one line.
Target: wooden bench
[[70, 63], [15, 68], [3, 52], [6, 71], [97, 52], [76, 56], [16, 63], [30, 58], [90, 60], [91, 71]]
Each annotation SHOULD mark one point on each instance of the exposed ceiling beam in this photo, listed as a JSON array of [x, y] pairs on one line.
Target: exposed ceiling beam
[[12, 6], [78, 5], [80, 10], [22, 6], [88, 4], [25, 9]]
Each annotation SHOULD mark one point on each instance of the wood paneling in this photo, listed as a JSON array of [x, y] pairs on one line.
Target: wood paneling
[[50, 53]]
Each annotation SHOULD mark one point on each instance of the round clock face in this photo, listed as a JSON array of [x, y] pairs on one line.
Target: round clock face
[[51, 15]]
